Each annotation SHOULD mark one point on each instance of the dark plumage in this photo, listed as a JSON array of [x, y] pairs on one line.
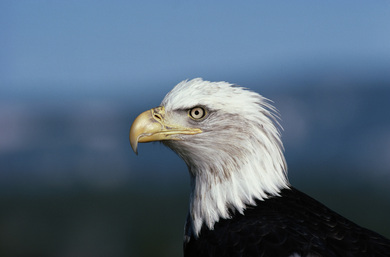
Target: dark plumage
[[292, 224]]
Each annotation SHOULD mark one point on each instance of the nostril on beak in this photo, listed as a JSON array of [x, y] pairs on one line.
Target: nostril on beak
[[158, 113], [157, 117]]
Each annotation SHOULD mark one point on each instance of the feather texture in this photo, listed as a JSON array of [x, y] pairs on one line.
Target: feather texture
[[239, 156], [292, 224], [241, 202]]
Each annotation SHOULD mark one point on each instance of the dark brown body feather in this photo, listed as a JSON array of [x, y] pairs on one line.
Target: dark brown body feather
[[293, 223]]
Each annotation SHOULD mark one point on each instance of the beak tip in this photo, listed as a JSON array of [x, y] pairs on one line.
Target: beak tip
[[134, 144], [134, 147]]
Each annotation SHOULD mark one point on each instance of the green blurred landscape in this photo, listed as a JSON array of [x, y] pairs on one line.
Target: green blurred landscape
[[139, 221]]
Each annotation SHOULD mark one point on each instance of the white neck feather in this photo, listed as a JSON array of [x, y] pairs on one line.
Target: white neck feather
[[212, 198], [225, 182]]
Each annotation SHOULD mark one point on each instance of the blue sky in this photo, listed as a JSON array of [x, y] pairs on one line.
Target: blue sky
[[130, 42]]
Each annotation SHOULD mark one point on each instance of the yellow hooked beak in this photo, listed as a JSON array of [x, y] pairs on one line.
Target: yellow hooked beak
[[151, 126]]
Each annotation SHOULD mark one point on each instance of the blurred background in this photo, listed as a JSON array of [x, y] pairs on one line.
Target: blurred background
[[75, 74]]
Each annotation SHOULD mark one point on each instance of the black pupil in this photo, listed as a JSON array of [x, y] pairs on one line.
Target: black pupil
[[196, 113]]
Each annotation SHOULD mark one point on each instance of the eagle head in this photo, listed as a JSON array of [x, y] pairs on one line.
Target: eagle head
[[230, 140]]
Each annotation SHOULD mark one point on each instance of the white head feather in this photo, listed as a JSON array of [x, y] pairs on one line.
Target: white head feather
[[238, 157]]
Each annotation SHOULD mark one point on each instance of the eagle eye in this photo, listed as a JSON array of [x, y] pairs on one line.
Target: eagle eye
[[197, 113]]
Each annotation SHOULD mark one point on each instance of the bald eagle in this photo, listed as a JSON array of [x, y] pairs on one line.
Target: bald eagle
[[241, 202]]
